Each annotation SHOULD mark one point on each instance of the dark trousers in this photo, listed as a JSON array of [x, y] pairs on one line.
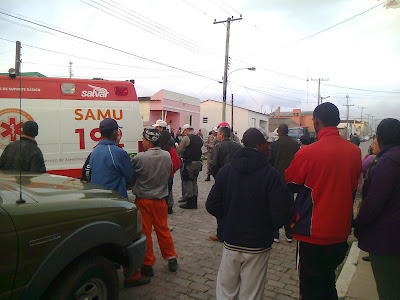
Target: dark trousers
[[287, 232], [287, 226], [386, 272], [316, 267], [220, 229], [170, 183]]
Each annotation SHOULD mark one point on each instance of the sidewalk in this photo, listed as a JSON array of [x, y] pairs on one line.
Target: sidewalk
[[360, 279]]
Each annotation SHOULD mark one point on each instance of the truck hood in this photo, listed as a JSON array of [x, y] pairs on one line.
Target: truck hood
[[53, 199]]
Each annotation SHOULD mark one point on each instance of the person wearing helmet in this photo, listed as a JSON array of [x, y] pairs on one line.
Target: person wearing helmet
[[234, 137]]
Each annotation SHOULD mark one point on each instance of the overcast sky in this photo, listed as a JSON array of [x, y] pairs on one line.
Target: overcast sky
[[174, 45]]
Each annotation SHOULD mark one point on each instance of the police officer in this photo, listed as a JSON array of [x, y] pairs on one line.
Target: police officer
[[190, 152]]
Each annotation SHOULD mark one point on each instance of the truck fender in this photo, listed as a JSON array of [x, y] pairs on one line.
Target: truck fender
[[85, 238]]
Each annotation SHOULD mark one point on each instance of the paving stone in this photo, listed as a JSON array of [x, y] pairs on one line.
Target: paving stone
[[275, 283], [199, 258], [199, 287]]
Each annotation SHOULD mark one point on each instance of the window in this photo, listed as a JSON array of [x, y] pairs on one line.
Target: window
[[190, 119], [205, 120], [253, 122]]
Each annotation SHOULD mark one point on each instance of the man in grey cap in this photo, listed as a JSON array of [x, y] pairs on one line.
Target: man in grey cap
[[24, 154], [209, 144], [190, 151], [161, 126]]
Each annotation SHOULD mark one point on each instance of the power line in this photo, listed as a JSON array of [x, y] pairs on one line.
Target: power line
[[348, 19], [110, 47], [108, 69], [269, 70], [230, 6], [156, 24], [221, 8], [357, 89], [153, 31]]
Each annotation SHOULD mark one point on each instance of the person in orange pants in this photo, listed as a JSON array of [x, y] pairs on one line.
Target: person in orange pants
[[155, 213], [151, 171]]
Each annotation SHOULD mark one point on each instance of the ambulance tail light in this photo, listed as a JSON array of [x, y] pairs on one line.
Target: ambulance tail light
[[121, 90], [140, 146]]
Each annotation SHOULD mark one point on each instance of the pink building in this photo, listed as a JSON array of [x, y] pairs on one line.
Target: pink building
[[174, 108]]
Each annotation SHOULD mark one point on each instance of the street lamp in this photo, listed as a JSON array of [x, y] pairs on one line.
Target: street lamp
[[224, 91], [322, 98]]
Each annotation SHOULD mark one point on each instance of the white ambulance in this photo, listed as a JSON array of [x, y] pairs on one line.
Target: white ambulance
[[68, 112]]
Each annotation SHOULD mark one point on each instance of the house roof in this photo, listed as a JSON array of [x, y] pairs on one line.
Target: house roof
[[289, 114]]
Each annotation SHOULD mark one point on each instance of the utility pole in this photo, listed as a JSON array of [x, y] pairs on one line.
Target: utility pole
[[368, 131], [70, 70], [347, 116], [319, 87], [228, 28], [372, 123], [232, 114], [18, 58], [362, 108]]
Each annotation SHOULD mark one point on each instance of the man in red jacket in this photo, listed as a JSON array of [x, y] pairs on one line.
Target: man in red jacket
[[324, 174]]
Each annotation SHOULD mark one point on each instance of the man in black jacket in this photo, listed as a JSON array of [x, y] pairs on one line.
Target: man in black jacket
[[223, 150], [221, 155], [24, 154], [281, 155], [249, 195]]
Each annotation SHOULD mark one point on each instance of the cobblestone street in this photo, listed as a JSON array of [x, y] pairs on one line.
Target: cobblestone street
[[199, 258]]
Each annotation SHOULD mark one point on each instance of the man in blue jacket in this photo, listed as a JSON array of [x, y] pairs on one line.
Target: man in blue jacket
[[110, 166], [250, 197]]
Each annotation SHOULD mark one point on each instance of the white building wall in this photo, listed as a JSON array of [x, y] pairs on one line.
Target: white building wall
[[242, 118]]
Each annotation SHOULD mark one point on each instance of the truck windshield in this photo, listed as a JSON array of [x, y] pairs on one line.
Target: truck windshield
[[296, 131]]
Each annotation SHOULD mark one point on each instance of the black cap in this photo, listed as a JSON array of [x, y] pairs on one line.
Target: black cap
[[328, 113], [109, 123], [253, 137], [30, 128]]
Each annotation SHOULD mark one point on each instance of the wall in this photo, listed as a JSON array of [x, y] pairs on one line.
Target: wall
[[242, 118], [145, 110], [306, 121]]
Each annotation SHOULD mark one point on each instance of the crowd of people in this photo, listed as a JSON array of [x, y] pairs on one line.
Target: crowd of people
[[307, 188]]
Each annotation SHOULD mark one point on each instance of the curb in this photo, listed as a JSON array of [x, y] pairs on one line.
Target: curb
[[349, 268]]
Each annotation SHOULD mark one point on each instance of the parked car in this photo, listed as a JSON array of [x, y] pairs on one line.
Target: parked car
[[296, 132], [62, 238]]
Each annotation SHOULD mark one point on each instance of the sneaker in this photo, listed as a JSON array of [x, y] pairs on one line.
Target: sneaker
[[142, 281], [182, 199], [215, 238], [170, 228], [147, 271], [172, 265], [289, 240], [276, 240]]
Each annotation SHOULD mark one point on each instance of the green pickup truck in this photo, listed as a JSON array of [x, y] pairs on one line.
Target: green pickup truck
[[61, 238]]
